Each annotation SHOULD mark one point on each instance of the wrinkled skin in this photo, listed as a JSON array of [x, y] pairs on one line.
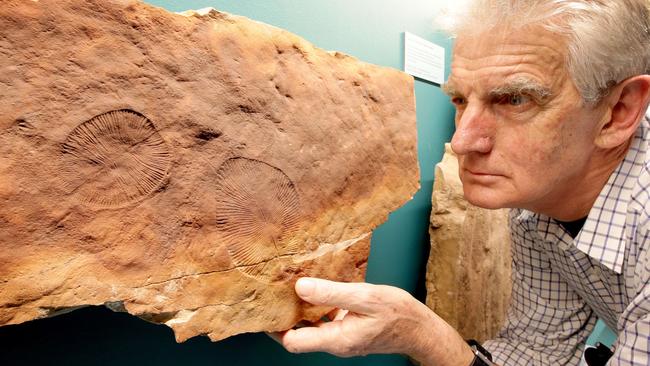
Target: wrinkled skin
[[529, 146], [525, 139], [376, 319]]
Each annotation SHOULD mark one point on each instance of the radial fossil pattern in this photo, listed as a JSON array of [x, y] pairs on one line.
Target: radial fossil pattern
[[257, 213], [114, 159]]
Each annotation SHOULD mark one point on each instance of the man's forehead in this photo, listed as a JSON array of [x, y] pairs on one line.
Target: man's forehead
[[494, 79], [486, 61], [502, 45]]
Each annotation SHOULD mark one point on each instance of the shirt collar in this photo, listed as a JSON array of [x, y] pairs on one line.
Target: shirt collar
[[603, 235]]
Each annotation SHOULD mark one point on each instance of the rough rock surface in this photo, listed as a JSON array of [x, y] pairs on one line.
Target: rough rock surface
[[187, 168], [468, 274]]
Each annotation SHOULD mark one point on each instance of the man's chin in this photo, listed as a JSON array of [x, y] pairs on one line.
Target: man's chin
[[487, 199]]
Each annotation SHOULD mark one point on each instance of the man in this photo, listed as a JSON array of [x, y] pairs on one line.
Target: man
[[550, 98]]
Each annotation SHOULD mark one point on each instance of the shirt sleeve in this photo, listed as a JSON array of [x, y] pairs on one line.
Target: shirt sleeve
[[633, 344], [547, 322]]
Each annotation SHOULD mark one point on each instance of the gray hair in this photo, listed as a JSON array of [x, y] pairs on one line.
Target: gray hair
[[608, 40]]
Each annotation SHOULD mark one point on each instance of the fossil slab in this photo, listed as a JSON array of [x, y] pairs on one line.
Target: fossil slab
[[468, 274], [187, 168]]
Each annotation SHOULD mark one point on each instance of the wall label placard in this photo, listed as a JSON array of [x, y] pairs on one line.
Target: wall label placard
[[423, 59]]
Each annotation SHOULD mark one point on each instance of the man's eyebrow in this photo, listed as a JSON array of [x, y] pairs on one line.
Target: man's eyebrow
[[449, 89], [523, 86]]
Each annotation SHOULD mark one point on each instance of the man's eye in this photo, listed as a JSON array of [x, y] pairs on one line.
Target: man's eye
[[458, 101], [516, 99]]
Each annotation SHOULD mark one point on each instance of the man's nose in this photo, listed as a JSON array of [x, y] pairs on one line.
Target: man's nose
[[474, 131]]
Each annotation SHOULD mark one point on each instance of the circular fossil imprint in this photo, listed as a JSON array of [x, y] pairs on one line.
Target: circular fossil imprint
[[114, 159], [257, 213]]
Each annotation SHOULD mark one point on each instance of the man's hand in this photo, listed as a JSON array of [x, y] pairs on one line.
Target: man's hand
[[375, 319]]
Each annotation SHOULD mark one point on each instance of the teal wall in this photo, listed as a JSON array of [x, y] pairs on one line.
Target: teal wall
[[602, 334], [369, 30]]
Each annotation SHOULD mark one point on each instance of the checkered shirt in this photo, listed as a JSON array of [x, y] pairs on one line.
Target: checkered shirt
[[562, 285]]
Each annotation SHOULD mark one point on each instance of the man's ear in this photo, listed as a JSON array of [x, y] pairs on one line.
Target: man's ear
[[627, 103]]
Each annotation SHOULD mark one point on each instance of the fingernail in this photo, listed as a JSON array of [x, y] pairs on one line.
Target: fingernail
[[305, 287]]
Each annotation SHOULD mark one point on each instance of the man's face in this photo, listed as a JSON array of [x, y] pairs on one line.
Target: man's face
[[523, 136]]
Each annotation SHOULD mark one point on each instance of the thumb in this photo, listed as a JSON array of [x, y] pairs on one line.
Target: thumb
[[355, 297], [327, 337]]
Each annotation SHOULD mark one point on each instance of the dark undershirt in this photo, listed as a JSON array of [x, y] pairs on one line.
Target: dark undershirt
[[573, 227]]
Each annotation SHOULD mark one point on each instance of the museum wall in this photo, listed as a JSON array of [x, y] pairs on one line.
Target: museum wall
[[369, 30]]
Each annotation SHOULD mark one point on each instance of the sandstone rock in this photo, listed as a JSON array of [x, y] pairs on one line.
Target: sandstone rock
[[188, 168], [468, 274]]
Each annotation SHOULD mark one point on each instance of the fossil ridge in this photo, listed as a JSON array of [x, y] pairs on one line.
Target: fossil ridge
[[188, 168]]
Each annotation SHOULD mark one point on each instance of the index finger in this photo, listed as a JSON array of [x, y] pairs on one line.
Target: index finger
[[357, 297]]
